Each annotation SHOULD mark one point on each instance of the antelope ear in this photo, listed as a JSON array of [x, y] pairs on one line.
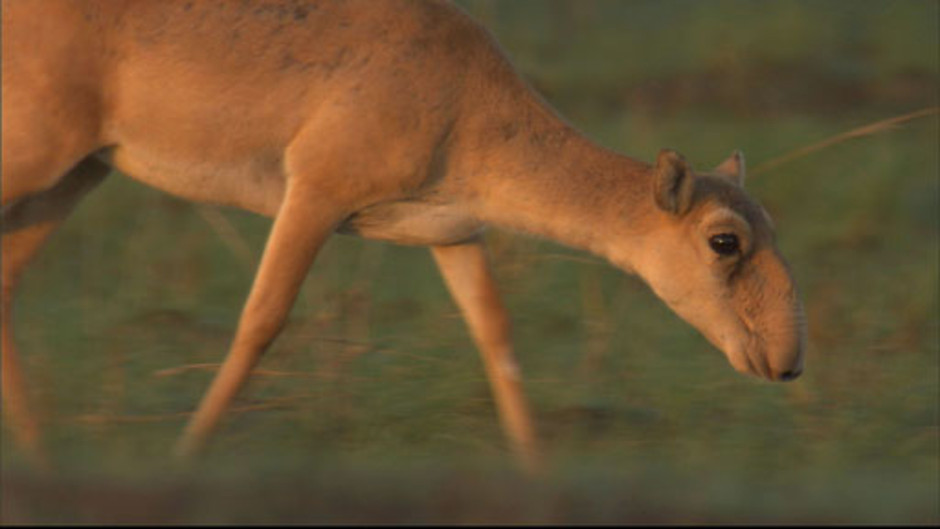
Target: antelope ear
[[674, 182], [732, 168]]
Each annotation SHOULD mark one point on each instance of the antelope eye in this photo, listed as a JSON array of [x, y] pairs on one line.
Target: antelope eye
[[724, 243]]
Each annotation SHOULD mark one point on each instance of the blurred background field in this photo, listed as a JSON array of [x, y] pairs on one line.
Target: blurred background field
[[372, 406]]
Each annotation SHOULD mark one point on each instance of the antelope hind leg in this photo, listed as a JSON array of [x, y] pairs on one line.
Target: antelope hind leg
[[467, 274], [27, 223], [302, 225]]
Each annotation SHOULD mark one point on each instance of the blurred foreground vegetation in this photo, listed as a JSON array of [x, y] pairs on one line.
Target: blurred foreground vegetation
[[372, 405]]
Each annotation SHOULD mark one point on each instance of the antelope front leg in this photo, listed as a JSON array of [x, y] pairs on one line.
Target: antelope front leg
[[302, 225], [468, 276]]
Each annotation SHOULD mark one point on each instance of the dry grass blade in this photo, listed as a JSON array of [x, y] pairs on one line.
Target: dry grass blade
[[173, 371], [269, 404], [858, 132]]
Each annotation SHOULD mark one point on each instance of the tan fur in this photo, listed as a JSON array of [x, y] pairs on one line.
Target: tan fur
[[397, 120]]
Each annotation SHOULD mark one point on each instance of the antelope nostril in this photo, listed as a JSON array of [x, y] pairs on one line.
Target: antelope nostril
[[786, 376]]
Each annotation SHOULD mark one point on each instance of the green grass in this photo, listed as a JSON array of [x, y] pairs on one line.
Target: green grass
[[641, 419]]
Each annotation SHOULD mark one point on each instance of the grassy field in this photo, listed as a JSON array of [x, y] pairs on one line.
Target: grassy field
[[372, 406]]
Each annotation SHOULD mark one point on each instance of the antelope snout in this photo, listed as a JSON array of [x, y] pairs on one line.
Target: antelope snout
[[786, 365], [792, 368], [763, 369], [781, 364], [787, 376]]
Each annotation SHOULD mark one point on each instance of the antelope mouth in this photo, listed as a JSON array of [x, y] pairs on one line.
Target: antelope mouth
[[756, 362], [753, 356]]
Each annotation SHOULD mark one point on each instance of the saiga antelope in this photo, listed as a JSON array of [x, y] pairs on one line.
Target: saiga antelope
[[397, 120]]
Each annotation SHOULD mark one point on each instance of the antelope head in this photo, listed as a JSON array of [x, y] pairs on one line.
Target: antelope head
[[710, 254]]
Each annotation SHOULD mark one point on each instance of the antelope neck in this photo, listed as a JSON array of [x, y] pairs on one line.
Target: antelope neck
[[532, 172]]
